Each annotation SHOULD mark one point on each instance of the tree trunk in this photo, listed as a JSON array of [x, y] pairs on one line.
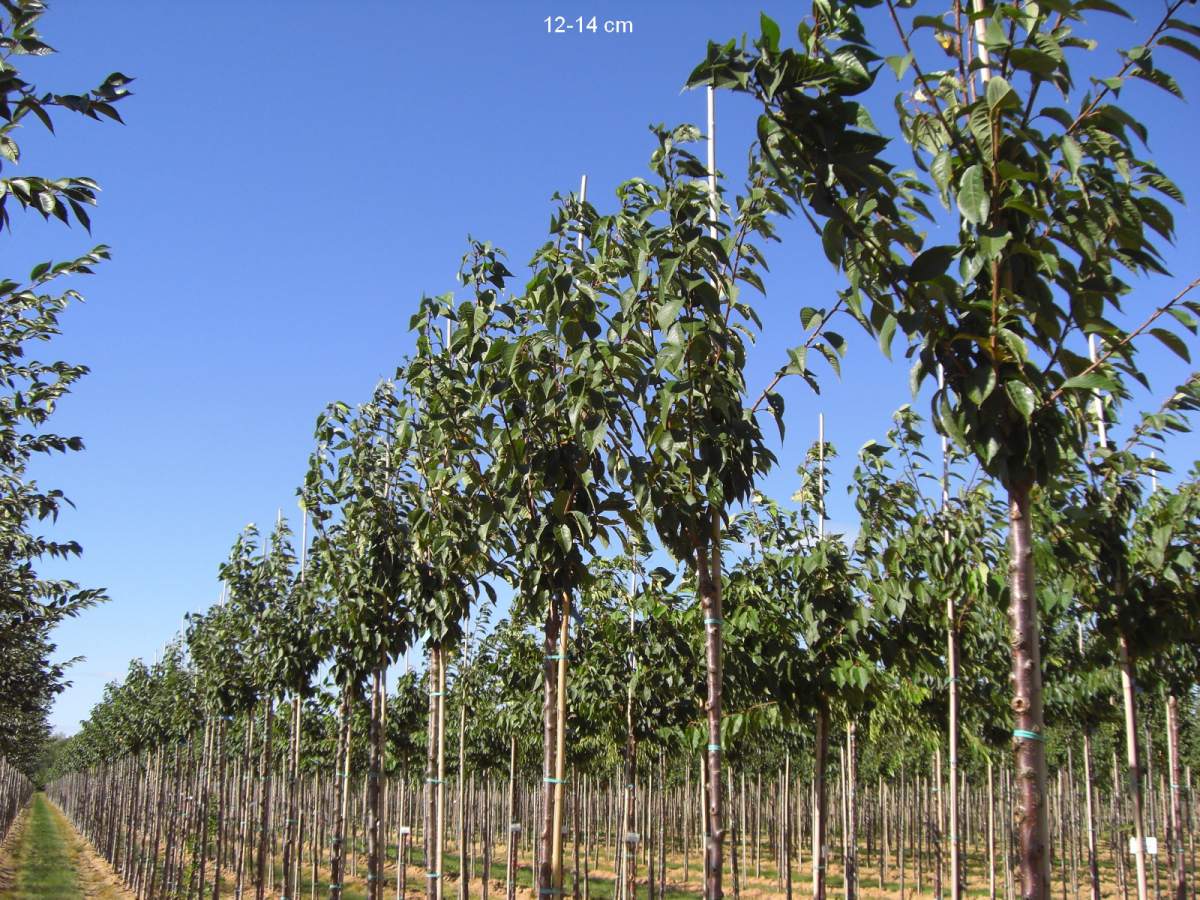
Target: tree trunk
[[991, 831], [546, 869], [341, 788], [708, 565], [463, 856], [820, 753], [952, 659], [1133, 762], [851, 865], [264, 775], [375, 846], [291, 884], [510, 886], [1176, 792], [1028, 732]]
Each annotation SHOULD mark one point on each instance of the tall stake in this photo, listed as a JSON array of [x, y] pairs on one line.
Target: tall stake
[[554, 793], [708, 565], [1093, 862], [1128, 690], [821, 475], [952, 662]]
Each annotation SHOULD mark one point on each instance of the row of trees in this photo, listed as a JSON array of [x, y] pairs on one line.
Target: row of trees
[[31, 306], [176, 792], [603, 405]]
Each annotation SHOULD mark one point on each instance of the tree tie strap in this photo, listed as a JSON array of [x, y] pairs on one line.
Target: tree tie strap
[[1027, 735], [714, 748], [554, 656], [555, 780], [433, 874], [711, 621], [434, 781], [436, 693], [551, 890]]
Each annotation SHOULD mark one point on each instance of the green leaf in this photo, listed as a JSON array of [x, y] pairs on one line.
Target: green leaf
[[1072, 154], [796, 360], [668, 311], [900, 64], [885, 335], [770, 31], [931, 263], [831, 241], [1092, 381], [973, 202], [1181, 45], [942, 169], [1172, 342], [1034, 61], [1022, 398], [1104, 6], [1000, 94]]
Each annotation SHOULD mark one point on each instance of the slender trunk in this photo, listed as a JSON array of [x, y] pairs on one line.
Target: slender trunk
[[264, 775], [341, 788], [375, 847], [629, 837], [851, 865], [820, 752], [708, 564], [243, 807], [514, 827], [991, 832], [222, 800], [1028, 743], [463, 856], [550, 671], [440, 824], [560, 747], [901, 830], [952, 659], [1133, 763], [935, 832], [1176, 792], [785, 829]]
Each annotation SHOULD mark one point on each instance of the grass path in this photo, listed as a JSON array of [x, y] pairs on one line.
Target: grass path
[[47, 858]]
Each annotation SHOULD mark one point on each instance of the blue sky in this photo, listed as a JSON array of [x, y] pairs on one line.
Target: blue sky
[[292, 178]]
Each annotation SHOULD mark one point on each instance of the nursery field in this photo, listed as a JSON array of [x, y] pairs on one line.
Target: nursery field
[[540, 628]]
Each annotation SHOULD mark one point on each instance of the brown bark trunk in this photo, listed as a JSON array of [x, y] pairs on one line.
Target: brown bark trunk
[[546, 863], [375, 851], [1176, 793], [510, 888], [820, 753], [708, 564], [952, 659], [341, 794], [1029, 751], [264, 774], [1133, 763]]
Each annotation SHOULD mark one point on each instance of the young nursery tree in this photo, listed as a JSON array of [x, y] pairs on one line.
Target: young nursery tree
[[1056, 207]]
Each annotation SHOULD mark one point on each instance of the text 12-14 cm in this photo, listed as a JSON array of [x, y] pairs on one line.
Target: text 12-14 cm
[[583, 25]]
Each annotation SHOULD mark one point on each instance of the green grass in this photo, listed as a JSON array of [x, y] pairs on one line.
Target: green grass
[[45, 867]]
